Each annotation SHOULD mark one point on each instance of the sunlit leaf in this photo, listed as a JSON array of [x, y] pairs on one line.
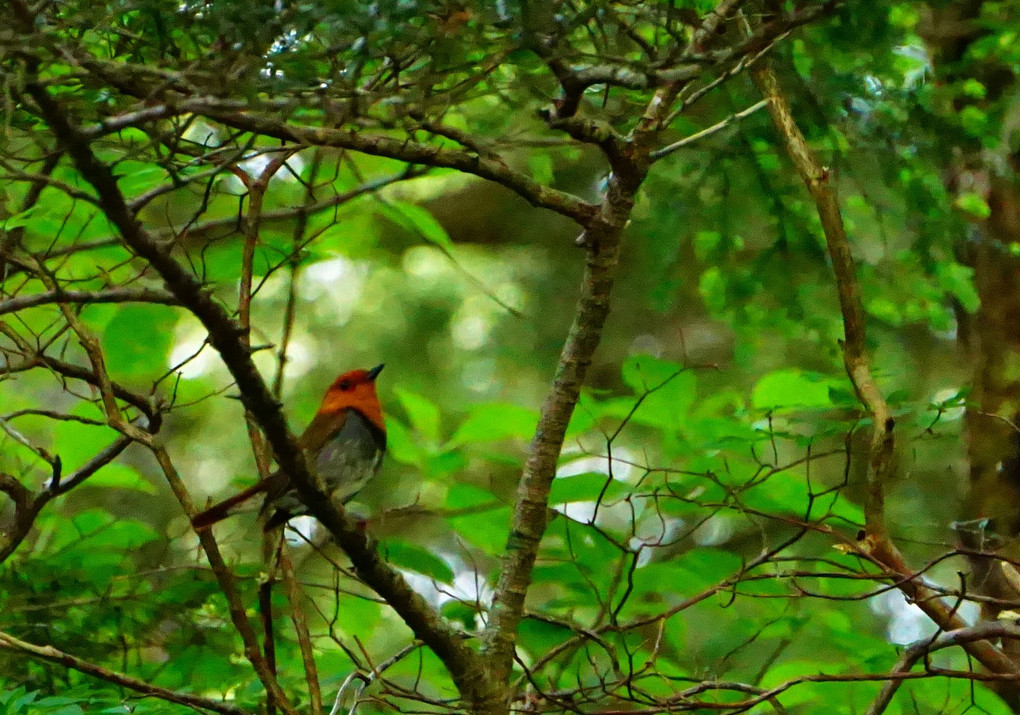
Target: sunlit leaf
[[791, 388], [422, 413], [415, 558], [418, 221], [493, 422]]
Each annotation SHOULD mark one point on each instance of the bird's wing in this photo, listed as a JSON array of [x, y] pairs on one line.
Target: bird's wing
[[323, 427]]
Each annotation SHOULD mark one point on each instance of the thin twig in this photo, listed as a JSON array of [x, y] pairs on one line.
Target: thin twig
[[983, 631], [708, 131], [297, 615]]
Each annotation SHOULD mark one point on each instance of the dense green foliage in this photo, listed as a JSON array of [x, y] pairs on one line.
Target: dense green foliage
[[710, 493]]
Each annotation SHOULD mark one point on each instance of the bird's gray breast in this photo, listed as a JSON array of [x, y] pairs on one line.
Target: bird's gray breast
[[341, 468], [351, 457]]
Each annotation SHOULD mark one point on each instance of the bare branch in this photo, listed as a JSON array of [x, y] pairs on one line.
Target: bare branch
[[301, 628], [413, 153], [27, 504], [708, 131], [228, 585], [113, 295]]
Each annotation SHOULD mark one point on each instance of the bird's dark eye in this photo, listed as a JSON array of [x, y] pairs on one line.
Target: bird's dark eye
[[345, 384]]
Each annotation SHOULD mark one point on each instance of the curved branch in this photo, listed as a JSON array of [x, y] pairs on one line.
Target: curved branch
[[530, 518], [52, 655], [24, 514], [984, 631], [855, 355], [77, 372], [238, 115]]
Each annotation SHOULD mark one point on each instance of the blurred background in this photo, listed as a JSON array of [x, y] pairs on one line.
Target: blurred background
[[717, 421]]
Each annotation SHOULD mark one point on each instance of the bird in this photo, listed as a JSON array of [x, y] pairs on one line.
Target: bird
[[344, 445]]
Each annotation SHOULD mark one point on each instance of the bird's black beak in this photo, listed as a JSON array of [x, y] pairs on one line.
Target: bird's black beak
[[374, 372]]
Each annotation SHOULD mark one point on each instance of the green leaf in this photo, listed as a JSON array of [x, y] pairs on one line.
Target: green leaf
[[14, 701], [712, 286], [803, 60], [100, 529], [121, 476], [422, 413], [791, 387], [973, 205], [903, 15], [586, 487], [666, 391], [76, 443], [415, 558], [465, 496], [705, 242], [696, 570], [52, 709], [137, 340], [399, 445], [494, 422], [540, 637], [541, 166], [419, 221], [441, 464], [788, 492], [350, 233], [19, 220], [886, 309], [459, 611], [973, 120], [585, 417], [135, 178], [487, 530], [974, 89]]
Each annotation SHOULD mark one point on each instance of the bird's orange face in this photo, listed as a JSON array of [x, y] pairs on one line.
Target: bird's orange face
[[355, 389]]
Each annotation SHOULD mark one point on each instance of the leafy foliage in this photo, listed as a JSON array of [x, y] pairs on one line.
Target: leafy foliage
[[703, 543]]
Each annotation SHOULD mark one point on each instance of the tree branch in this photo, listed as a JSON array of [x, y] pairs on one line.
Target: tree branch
[[228, 585], [855, 355], [52, 655], [27, 504], [81, 297], [984, 631], [708, 131], [413, 153], [602, 241]]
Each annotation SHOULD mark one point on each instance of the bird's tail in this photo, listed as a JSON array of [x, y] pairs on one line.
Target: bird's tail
[[218, 512]]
